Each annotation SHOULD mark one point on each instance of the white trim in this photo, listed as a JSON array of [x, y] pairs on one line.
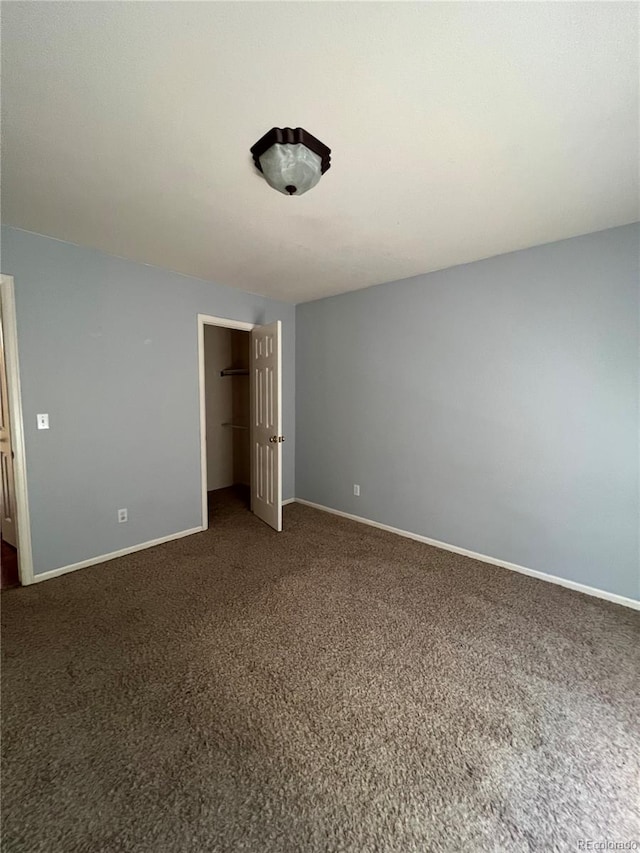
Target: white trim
[[209, 320], [9, 324], [103, 558], [289, 501], [514, 567], [225, 323]]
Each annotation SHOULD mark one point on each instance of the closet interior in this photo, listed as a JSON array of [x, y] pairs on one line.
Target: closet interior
[[227, 415]]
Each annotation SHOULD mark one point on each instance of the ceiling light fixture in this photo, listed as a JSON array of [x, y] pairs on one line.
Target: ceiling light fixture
[[291, 160]]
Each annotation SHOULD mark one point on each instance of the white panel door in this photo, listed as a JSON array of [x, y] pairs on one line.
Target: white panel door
[[7, 489], [266, 424]]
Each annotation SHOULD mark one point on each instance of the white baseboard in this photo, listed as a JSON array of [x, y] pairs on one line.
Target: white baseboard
[[103, 558], [543, 576]]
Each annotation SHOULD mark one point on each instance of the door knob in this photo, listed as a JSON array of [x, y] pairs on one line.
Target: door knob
[[273, 439]]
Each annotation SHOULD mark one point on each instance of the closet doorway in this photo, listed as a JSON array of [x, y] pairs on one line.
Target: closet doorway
[[240, 419], [227, 404], [16, 564]]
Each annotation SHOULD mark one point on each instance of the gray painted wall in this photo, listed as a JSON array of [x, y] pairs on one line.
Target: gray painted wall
[[492, 406], [109, 349]]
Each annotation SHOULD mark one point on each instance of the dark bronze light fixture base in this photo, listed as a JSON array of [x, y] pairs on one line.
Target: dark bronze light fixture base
[[291, 136]]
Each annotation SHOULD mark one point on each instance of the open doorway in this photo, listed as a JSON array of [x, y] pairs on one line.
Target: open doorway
[[251, 423], [9, 575], [16, 565], [227, 407]]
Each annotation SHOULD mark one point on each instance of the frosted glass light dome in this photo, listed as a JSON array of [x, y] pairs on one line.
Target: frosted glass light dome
[[291, 159], [291, 169]]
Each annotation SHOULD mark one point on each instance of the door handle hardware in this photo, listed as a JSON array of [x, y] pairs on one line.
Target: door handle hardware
[[280, 438], [274, 439]]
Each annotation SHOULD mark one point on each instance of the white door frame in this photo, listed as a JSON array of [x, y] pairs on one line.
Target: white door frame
[[25, 556], [225, 323]]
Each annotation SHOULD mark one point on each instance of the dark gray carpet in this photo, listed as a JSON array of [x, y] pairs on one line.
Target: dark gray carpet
[[331, 688]]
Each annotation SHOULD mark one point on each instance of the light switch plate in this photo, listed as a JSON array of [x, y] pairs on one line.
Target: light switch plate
[[43, 421]]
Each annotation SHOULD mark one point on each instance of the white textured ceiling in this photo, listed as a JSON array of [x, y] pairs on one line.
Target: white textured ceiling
[[458, 130]]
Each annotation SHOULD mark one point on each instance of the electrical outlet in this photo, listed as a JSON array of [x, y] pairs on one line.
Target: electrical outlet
[[123, 516], [356, 490]]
